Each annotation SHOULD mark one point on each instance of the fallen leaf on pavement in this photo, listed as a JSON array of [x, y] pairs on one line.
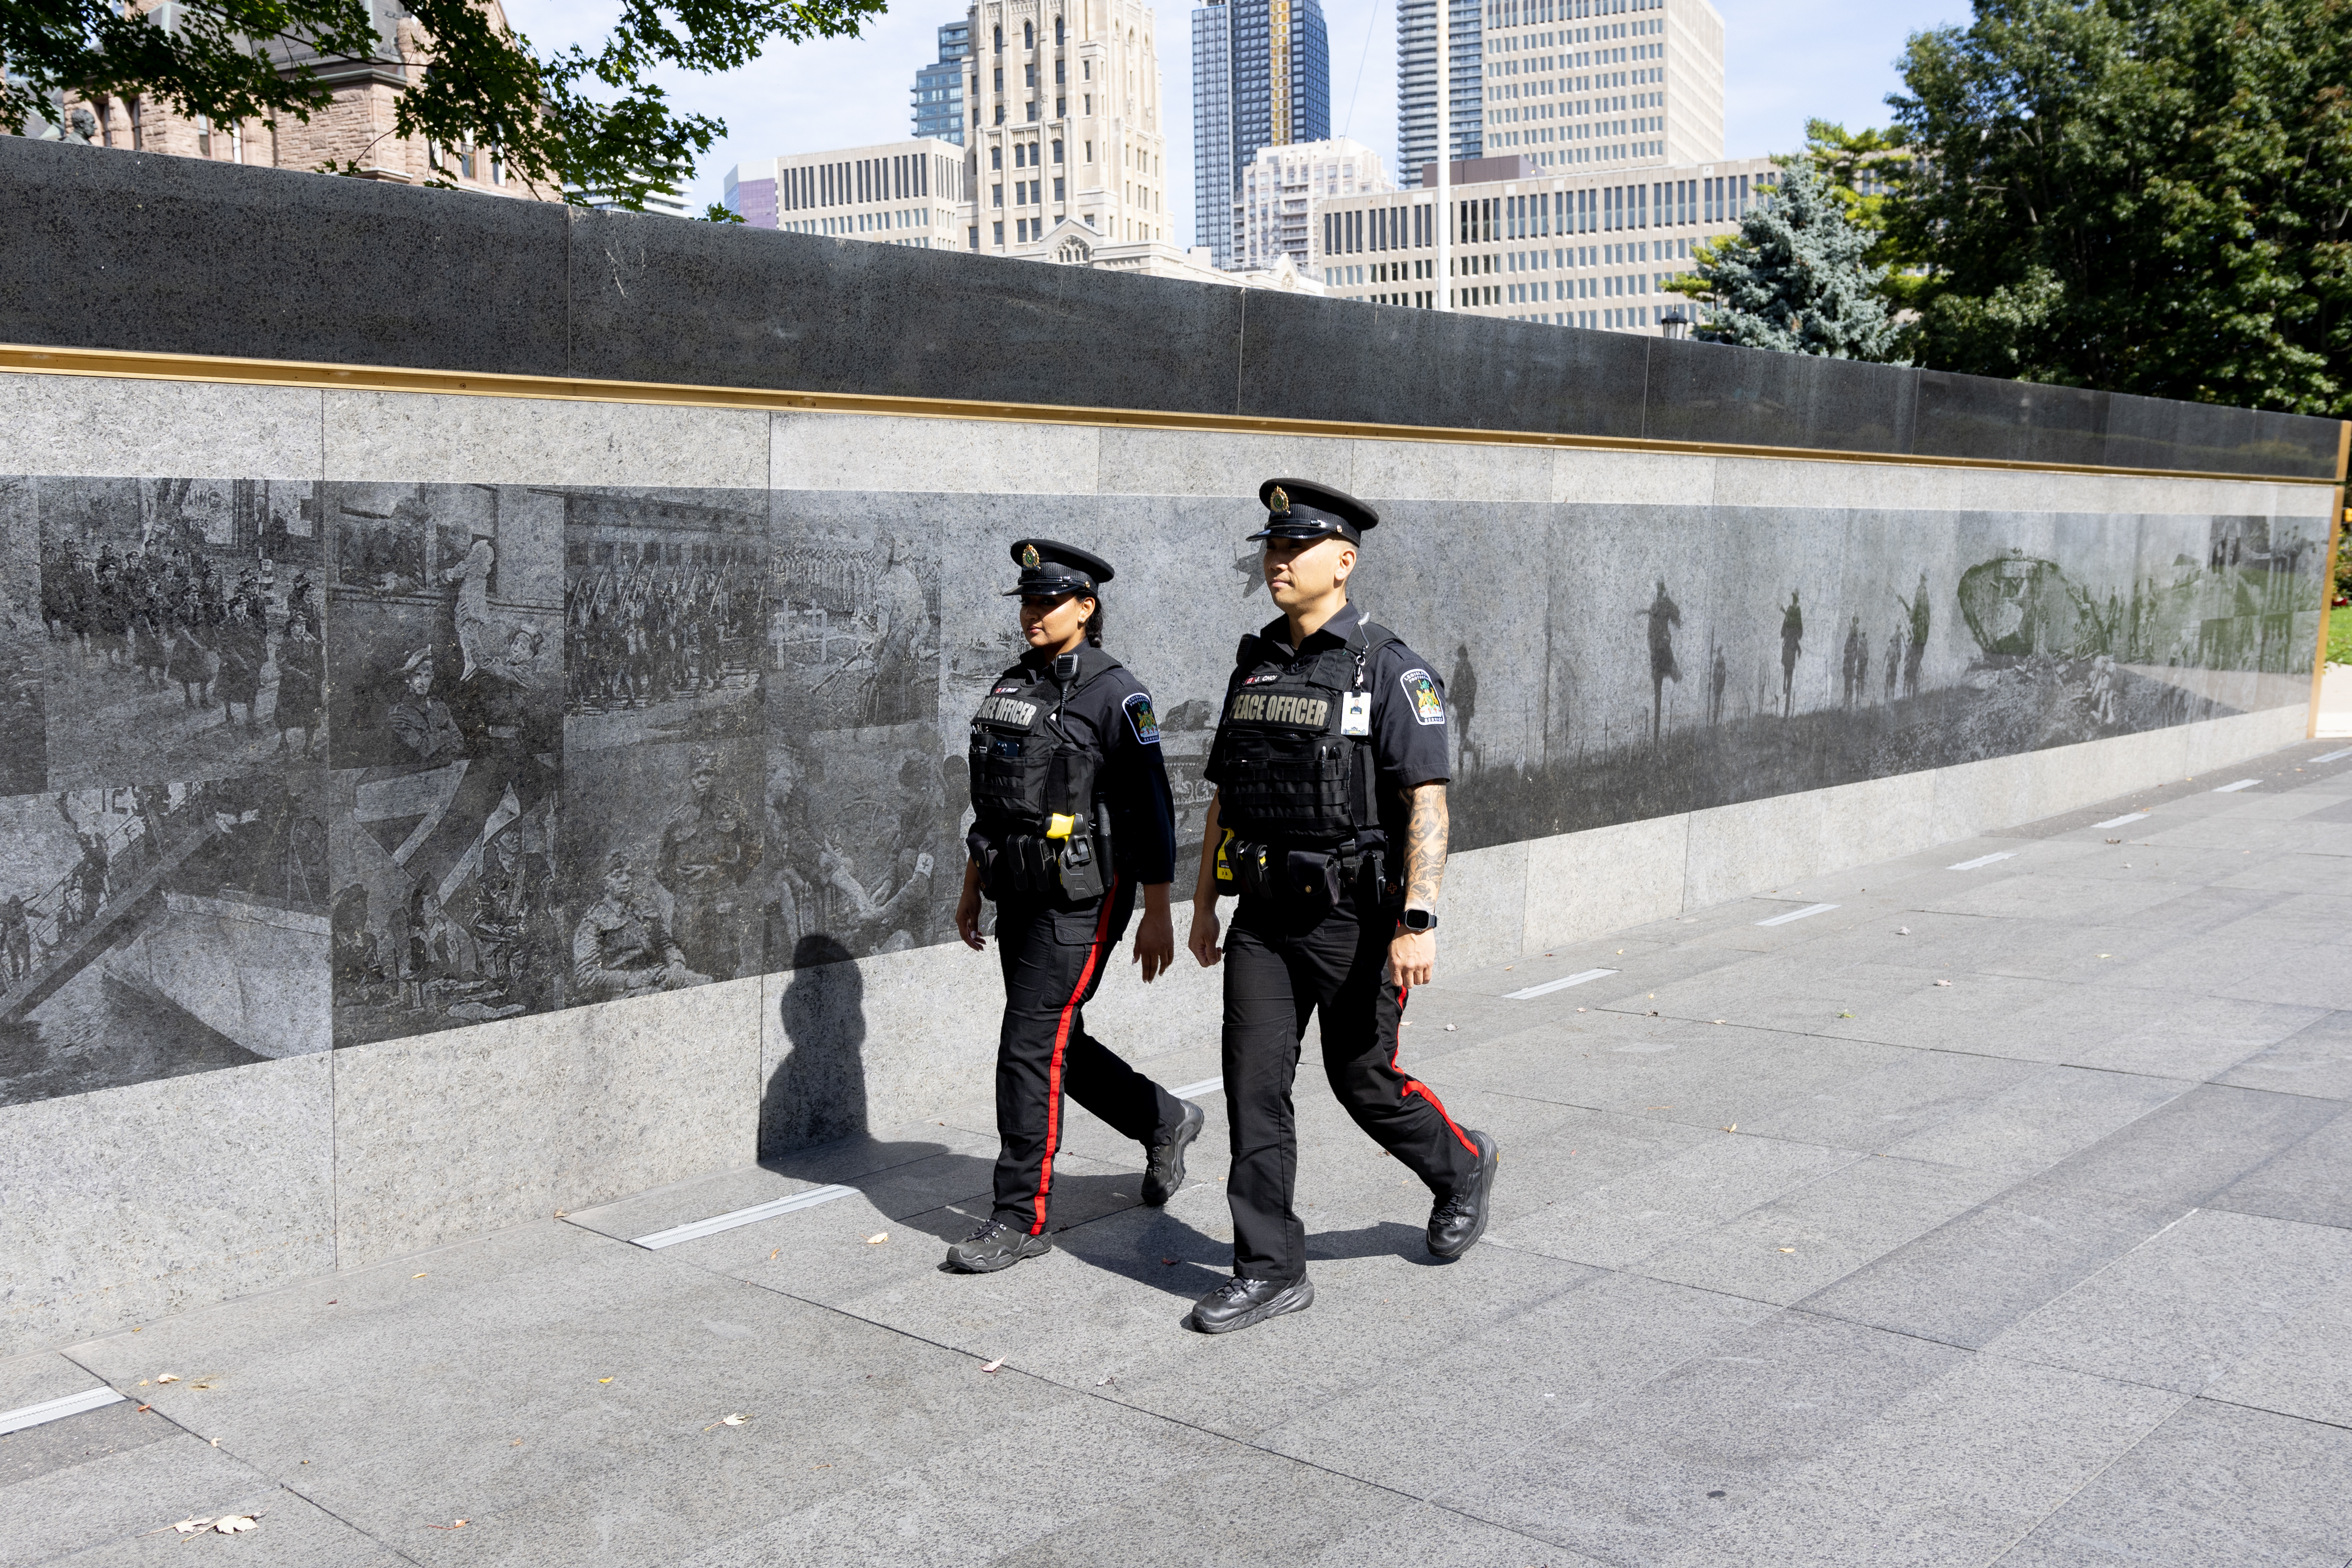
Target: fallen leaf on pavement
[[1104, 1381], [190, 1526], [603, 1380], [459, 1525], [992, 1366], [1943, 982], [216, 1441], [143, 1409], [1899, 930], [231, 1524], [168, 1377], [1733, 1128], [878, 1238], [416, 1277], [771, 1256], [733, 1420], [1449, 1028], [1787, 1249], [1170, 1259]]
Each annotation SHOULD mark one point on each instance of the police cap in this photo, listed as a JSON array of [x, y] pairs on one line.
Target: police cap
[[1303, 509], [1050, 571]]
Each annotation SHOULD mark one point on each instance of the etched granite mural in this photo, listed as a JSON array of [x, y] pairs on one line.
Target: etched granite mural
[[286, 766]]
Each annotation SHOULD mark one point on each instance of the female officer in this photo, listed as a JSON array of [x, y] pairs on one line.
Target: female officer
[[1071, 815]]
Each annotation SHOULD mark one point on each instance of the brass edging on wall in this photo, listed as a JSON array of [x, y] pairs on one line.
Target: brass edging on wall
[[127, 365]]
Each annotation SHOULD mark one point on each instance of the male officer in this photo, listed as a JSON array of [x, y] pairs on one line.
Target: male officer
[[1329, 821]]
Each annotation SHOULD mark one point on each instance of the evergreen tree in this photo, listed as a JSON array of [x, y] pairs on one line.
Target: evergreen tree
[[1794, 278]]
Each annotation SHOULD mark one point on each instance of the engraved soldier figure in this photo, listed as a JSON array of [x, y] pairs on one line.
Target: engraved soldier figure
[[709, 847], [624, 948]]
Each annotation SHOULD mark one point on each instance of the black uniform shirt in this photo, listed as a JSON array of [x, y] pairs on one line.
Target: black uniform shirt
[[1113, 715], [1408, 718]]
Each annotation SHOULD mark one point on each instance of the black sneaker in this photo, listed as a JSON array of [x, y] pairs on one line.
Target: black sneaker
[[1163, 1163], [1237, 1303], [1456, 1224], [999, 1244]]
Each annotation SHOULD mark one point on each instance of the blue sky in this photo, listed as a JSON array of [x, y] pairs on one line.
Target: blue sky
[[1783, 62]]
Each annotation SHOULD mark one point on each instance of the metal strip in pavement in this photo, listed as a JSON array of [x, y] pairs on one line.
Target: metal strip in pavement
[[753, 1216], [2335, 756], [1549, 986], [58, 1409], [1194, 1090], [2233, 788], [1983, 860], [2126, 817], [1798, 914]]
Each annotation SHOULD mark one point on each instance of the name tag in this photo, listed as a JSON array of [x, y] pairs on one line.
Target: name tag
[[1356, 713]]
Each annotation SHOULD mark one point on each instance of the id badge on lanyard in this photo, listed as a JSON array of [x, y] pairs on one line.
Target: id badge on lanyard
[[1356, 713]]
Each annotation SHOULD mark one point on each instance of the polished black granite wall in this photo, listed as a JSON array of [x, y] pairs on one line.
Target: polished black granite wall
[[120, 250]]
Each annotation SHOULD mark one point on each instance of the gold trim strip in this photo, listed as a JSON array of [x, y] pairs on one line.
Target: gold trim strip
[[122, 365]]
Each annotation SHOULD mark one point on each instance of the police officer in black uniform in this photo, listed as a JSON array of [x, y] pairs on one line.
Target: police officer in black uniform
[[1330, 823], [1071, 816]]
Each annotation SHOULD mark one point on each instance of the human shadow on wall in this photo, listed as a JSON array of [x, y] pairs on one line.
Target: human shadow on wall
[[814, 1116]]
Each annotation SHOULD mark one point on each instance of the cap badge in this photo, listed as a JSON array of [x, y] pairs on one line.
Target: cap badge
[[1029, 557], [1279, 500]]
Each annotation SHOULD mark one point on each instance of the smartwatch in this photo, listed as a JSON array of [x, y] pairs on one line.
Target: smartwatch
[[1418, 921]]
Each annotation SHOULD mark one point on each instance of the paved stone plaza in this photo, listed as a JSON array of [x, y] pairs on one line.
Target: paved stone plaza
[[1996, 1211]]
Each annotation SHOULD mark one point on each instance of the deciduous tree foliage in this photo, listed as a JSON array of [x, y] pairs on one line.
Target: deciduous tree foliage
[[1794, 277], [2144, 196], [571, 119]]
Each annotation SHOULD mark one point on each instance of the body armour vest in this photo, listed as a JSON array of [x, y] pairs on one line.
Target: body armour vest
[[1025, 768], [1291, 773]]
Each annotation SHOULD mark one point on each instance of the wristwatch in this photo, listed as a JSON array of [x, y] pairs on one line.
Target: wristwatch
[[1418, 921]]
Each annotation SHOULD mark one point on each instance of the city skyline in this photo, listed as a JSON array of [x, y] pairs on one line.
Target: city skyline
[[850, 91]]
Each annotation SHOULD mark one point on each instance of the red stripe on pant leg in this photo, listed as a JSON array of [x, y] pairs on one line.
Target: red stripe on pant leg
[[1414, 1086], [1054, 1071]]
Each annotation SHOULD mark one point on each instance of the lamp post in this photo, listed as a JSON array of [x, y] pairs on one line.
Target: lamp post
[[1676, 324]]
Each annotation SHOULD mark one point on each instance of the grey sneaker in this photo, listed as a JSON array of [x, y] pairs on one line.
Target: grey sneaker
[[999, 1243], [1163, 1163]]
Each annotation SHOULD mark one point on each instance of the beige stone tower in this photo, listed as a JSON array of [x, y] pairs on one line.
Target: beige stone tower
[[1064, 98]]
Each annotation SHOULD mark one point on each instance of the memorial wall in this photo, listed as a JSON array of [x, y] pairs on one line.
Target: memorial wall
[[463, 760]]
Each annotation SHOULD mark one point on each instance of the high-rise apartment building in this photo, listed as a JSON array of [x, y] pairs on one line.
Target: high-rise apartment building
[[1616, 84], [938, 87], [899, 193], [1534, 245], [1274, 205], [1261, 77], [1064, 122], [1417, 83]]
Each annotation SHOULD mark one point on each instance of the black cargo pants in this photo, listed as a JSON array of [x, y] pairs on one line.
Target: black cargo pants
[[1054, 960], [1276, 975]]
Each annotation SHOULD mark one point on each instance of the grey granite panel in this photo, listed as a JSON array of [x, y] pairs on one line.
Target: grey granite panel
[[655, 300], [2214, 1484], [2191, 1149], [148, 1199], [1970, 1278], [77, 1440], [1303, 358], [2304, 1368], [1974, 417], [1711, 392], [2186, 1307], [1947, 1476], [2316, 1059], [166, 255], [2305, 1182], [1632, 1483], [2160, 433]]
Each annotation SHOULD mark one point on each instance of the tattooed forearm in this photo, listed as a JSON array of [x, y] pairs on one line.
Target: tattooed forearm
[[1424, 846]]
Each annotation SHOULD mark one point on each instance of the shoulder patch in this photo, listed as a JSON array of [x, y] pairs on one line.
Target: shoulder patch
[[1142, 719], [1421, 691]]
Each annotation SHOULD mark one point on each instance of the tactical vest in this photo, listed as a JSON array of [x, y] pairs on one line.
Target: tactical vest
[[1025, 768], [1290, 775]]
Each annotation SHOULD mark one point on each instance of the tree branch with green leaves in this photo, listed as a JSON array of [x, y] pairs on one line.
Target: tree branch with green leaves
[[573, 120]]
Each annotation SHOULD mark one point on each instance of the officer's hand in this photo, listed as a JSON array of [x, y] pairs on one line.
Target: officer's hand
[[1155, 943], [1204, 940], [1411, 956], [968, 919]]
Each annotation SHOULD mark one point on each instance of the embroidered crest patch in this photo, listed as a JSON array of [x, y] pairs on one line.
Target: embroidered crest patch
[[1140, 715], [1428, 708]]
